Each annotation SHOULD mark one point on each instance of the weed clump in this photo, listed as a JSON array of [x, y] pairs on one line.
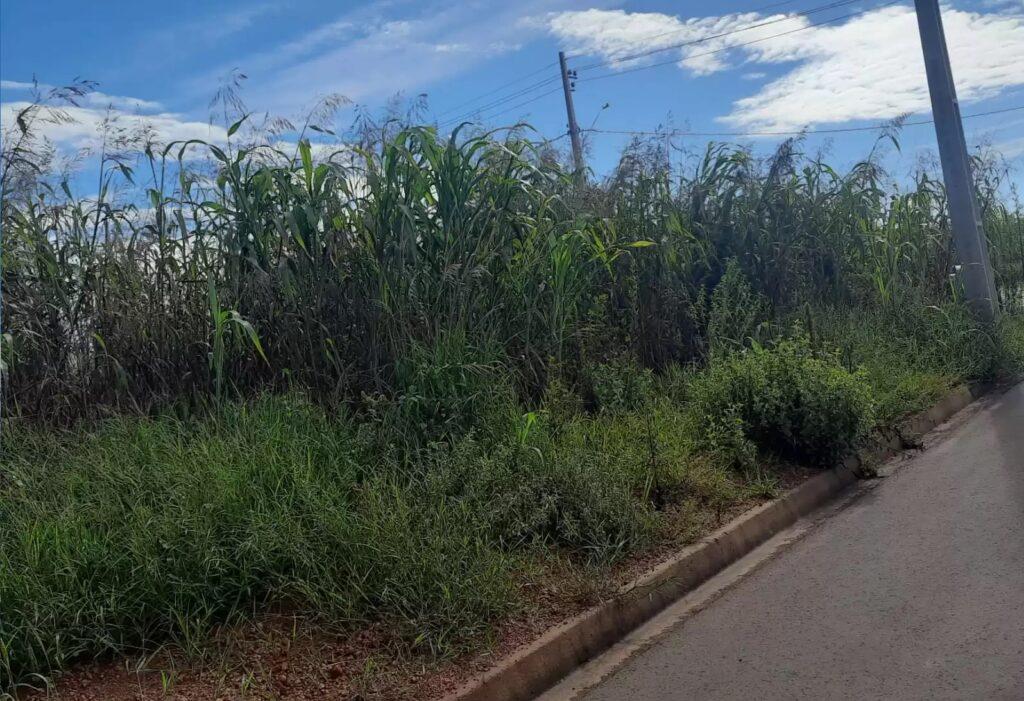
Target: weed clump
[[544, 490], [787, 400], [621, 385]]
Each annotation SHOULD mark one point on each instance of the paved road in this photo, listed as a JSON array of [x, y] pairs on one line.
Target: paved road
[[914, 591]]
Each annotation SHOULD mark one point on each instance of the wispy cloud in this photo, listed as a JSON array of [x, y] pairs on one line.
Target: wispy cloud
[[372, 53], [121, 102], [92, 99], [1010, 148], [613, 34], [214, 26], [1003, 4], [869, 68], [367, 54], [16, 85]]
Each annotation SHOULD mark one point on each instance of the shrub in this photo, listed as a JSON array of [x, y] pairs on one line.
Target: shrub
[[950, 339], [561, 404], [790, 402], [724, 439], [674, 383], [621, 384], [913, 355], [1011, 344]]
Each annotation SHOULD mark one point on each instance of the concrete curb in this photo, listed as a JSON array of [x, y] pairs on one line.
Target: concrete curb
[[534, 668]]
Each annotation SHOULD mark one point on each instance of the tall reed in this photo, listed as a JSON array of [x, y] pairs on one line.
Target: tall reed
[[246, 266]]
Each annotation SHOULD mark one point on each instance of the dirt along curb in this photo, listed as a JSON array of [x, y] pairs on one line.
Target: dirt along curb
[[534, 668]]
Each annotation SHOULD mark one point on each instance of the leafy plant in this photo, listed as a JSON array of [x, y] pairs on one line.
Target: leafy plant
[[788, 400], [621, 384], [737, 314]]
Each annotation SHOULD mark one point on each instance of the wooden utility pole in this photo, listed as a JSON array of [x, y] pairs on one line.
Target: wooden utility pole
[[570, 110], [968, 234]]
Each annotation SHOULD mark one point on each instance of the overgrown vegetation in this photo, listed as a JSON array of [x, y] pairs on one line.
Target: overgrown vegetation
[[370, 383]]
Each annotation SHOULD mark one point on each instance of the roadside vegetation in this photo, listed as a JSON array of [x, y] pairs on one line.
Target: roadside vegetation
[[377, 382]]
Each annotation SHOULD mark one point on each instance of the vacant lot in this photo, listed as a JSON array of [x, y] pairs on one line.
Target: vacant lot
[[394, 389]]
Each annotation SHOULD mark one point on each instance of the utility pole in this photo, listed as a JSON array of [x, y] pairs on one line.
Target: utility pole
[[574, 128], [968, 234]]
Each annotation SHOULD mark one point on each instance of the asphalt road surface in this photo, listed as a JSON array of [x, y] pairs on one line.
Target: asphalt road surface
[[915, 590]]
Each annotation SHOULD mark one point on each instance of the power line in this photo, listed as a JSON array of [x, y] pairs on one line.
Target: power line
[[513, 107], [837, 130], [540, 84], [652, 37], [523, 91], [500, 101], [553, 139], [497, 89], [527, 102], [548, 81], [771, 6], [746, 43], [711, 37]]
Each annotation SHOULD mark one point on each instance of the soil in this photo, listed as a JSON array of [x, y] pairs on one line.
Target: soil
[[281, 657]]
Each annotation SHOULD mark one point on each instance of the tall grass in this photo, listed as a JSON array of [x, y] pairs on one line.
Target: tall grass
[[146, 532], [258, 268]]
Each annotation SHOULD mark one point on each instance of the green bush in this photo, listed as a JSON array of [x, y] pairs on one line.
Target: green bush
[[427, 567], [561, 403], [674, 383], [153, 530], [913, 355], [790, 401], [621, 384], [592, 484], [724, 439], [949, 339]]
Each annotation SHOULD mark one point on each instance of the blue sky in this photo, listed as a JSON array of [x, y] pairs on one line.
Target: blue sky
[[162, 62]]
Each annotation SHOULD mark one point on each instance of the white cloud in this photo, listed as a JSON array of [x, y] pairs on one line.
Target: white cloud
[[1011, 148], [869, 68], [613, 34], [15, 85], [318, 150], [368, 55], [119, 102], [1003, 133], [1003, 4], [447, 48], [91, 99], [212, 27], [85, 125]]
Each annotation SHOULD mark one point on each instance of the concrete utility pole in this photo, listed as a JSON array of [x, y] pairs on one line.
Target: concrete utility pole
[[574, 128], [968, 234]]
